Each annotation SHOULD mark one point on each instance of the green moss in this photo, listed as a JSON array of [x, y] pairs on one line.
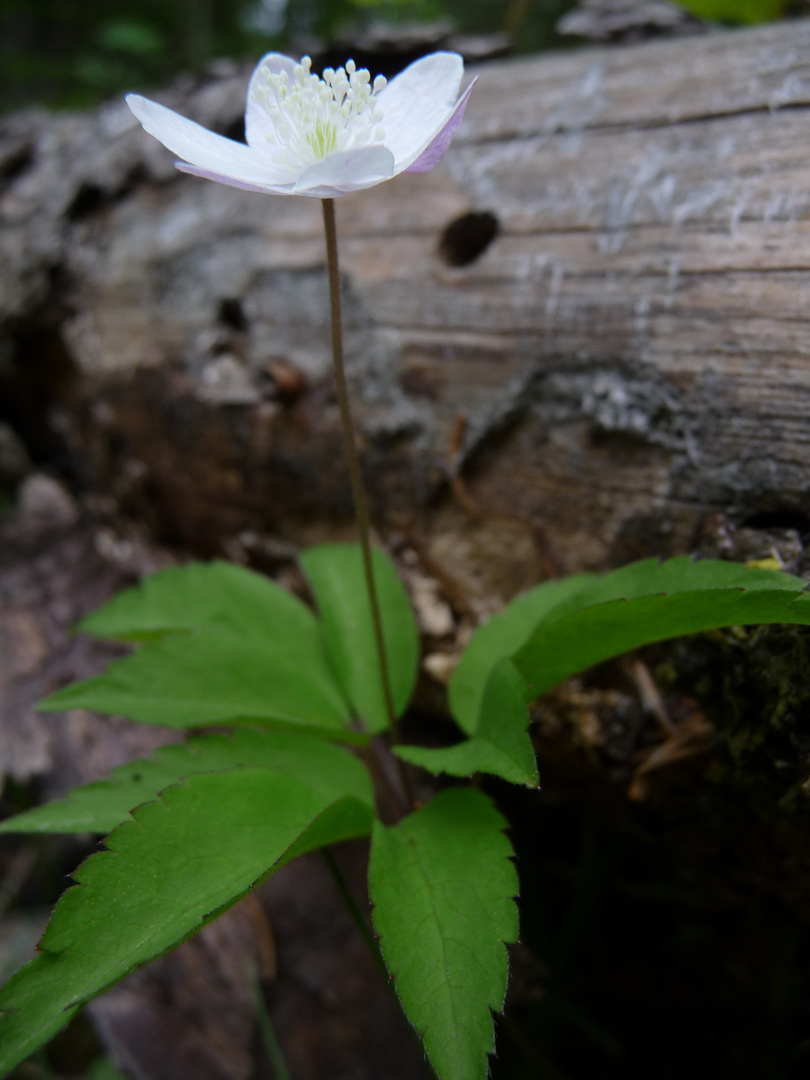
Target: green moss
[[754, 684]]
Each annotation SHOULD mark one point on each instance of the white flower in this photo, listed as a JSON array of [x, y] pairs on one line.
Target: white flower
[[322, 136]]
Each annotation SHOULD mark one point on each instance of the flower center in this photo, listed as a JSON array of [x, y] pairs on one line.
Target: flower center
[[312, 118]]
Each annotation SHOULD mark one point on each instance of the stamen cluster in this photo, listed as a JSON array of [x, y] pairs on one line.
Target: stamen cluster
[[313, 117]]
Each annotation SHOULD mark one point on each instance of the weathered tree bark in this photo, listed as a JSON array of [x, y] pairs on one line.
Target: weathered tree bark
[[627, 351]]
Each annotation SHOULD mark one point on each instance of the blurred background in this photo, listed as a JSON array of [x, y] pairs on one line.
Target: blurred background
[[74, 53], [70, 53]]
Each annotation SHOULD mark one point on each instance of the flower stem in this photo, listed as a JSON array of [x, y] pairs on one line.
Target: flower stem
[[358, 491]]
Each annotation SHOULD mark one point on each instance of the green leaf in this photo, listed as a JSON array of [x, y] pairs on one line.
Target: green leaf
[[441, 883], [500, 744], [335, 572], [735, 11], [584, 638], [345, 819], [499, 638], [204, 594], [183, 860], [213, 675], [223, 644], [528, 614], [682, 574], [99, 807]]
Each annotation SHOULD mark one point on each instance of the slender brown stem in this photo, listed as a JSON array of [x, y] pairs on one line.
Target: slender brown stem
[[393, 802], [358, 491]]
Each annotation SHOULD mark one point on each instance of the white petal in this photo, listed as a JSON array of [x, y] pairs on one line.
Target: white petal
[[257, 123], [348, 170], [203, 148], [244, 185], [440, 143], [417, 103]]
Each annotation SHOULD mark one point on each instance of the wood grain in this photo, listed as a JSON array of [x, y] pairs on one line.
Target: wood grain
[[629, 355]]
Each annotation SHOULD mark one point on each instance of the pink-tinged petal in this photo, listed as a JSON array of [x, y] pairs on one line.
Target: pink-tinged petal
[[207, 151], [417, 103], [348, 170], [259, 130], [438, 146], [208, 174]]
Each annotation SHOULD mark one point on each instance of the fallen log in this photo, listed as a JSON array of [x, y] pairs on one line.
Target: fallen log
[[589, 321]]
